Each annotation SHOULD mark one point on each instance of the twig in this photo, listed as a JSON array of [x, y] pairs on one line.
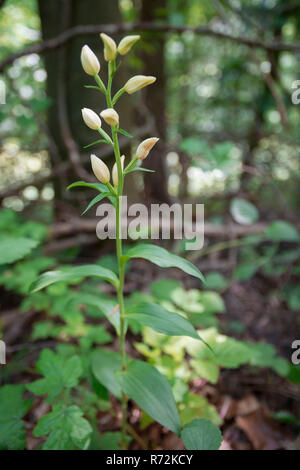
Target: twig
[[106, 152], [81, 30]]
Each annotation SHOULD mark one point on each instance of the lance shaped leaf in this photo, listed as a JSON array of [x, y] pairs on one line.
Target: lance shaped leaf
[[152, 392], [95, 200], [72, 273], [59, 373], [66, 427], [100, 141], [201, 434], [160, 320], [12, 409], [102, 188], [162, 258], [139, 168], [127, 134], [98, 186]]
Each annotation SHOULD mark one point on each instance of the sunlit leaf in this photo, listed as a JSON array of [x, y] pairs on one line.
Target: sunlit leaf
[[74, 272], [243, 212]]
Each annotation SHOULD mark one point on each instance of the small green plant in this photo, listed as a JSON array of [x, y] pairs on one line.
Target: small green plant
[[121, 375]]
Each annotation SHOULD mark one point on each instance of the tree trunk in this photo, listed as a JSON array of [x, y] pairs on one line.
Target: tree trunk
[[155, 101]]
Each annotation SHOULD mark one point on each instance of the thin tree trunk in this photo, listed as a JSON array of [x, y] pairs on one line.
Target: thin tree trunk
[[155, 101]]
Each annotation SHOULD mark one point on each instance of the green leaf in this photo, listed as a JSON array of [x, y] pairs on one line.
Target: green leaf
[[93, 87], [95, 200], [195, 405], [12, 249], [106, 307], [74, 272], [285, 417], [100, 141], [151, 391], [122, 131], [280, 230], [139, 168], [111, 441], [215, 281], [163, 258], [98, 186], [104, 365], [12, 409], [163, 289], [66, 428], [206, 369], [245, 271], [160, 320], [59, 373], [293, 298], [201, 434], [243, 212]]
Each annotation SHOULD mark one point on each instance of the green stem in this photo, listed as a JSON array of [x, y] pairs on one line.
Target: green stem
[[100, 83], [122, 333], [118, 95], [130, 165]]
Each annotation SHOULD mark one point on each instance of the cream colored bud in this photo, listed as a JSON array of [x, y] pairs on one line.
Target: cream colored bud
[[110, 47], [89, 61], [127, 43], [91, 119], [115, 176], [110, 116], [136, 83], [100, 169], [145, 147]]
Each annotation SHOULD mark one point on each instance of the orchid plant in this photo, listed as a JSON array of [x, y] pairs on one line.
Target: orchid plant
[[124, 377]]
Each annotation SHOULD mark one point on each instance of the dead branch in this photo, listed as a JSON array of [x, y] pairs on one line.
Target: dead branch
[[76, 225], [66, 36], [64, 167]]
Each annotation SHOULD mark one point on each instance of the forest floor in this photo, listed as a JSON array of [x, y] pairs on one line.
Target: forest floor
[[245, 398]]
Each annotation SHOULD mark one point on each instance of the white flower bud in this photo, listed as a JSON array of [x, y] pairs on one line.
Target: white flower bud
[[91, 119], [115, 176], [110, 116], [89, 61], [100, 169], [110, 47], [127, 43], [136, 83], [145, 147]]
